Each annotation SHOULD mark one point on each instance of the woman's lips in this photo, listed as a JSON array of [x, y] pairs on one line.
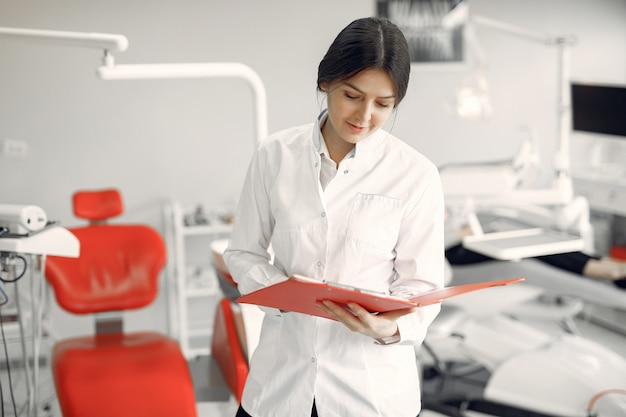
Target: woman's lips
[[355, 128]]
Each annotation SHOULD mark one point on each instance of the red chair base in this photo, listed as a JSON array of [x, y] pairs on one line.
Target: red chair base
[[137, 374]]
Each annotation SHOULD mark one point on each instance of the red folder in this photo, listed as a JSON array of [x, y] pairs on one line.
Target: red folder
[[299, 294]]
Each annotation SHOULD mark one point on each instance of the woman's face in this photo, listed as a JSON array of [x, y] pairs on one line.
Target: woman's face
[[358, 106]]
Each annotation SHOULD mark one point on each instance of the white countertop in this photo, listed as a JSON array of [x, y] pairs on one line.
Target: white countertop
[[55, 240]]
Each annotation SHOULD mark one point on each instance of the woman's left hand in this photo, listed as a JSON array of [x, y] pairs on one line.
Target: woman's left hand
[[358, 319]]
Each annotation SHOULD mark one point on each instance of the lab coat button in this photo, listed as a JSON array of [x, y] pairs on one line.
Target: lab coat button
[[323, 214], [313, 360], [345, 171], [319, 263]]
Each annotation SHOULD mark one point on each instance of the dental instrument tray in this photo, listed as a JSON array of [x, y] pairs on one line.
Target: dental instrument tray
[[300, 294], [514, 245]]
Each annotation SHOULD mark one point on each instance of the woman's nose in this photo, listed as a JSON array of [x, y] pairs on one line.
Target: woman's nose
[[365, 112]]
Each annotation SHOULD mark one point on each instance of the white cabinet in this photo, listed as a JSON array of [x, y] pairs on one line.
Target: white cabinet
[[192, 285]]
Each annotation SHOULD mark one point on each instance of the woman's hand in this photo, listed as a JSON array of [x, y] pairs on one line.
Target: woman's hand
[[362, 321]]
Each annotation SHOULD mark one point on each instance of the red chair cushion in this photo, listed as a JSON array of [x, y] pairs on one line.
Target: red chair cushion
[[138, 374], [118, 269], [97, 204]]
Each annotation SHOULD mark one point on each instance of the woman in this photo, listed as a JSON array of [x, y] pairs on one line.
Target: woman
[[342, 200]]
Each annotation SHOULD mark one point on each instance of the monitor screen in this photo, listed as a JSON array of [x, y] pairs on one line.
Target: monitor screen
[[599, 108]]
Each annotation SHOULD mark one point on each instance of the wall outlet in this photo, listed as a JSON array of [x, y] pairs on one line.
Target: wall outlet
[[14, 148]]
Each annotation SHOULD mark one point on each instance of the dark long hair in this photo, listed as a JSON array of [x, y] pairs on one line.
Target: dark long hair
[[368, 43]]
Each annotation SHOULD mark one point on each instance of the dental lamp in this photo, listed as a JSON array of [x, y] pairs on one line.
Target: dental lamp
[[566, 212], [472, 102], [563, 44], [110, 43]]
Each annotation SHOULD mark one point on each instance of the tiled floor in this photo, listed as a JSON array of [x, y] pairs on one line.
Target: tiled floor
[[217, 409], [212, 394]]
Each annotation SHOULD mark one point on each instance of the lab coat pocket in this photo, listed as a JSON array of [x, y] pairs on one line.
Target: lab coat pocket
[[375, 221]]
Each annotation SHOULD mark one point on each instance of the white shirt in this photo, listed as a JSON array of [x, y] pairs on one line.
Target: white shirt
[[377, 224]]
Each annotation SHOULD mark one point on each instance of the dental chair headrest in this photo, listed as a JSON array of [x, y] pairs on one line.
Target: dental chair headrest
[[97, 205]]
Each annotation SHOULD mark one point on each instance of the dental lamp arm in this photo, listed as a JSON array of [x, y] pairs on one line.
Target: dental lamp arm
[[107, 41], [118, 43], [196, 70]]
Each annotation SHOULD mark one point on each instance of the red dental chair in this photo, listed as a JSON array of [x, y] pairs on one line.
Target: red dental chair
[[113, 373], [228, 346]]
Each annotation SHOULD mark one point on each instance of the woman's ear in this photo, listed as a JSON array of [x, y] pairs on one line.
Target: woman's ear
[[324, 87]]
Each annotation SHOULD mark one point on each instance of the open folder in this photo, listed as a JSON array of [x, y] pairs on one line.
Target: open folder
[[299, 294]]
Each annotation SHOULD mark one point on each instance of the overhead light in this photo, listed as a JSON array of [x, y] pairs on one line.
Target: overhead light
[[472, 101]]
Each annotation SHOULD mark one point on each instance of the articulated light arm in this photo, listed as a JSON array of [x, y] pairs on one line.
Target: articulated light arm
[[196, 70], [118, 43], [107, 41], [519, 31]]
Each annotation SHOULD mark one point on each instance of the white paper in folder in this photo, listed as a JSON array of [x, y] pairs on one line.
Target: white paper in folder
[[22, 219]]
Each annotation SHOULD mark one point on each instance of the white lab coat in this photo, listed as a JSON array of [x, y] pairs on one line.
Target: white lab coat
[[377, 225]]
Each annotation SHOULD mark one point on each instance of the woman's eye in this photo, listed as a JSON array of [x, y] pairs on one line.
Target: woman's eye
[[384, 105], [350, 96]]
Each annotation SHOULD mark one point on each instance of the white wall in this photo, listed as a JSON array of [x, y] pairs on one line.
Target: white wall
[[191, 140]]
